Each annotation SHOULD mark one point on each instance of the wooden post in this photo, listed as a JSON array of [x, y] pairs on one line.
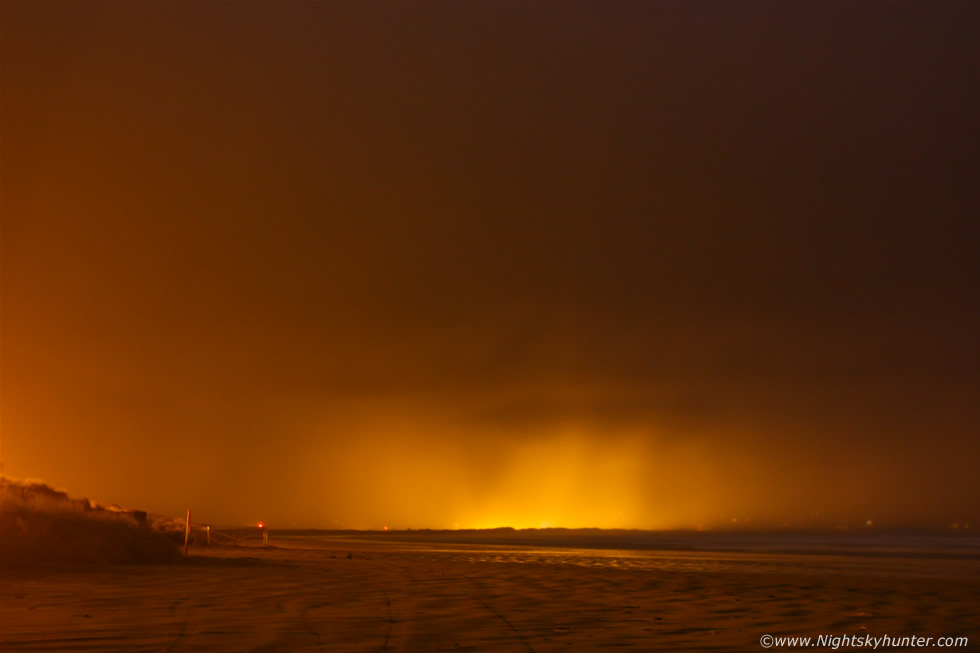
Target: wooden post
[[187, 532], [265, 537]]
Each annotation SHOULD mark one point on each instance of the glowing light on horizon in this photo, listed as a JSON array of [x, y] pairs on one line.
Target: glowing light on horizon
[[567, 475], [568, 480]]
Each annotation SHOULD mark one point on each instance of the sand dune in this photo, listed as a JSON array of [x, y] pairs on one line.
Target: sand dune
[[43, 526], [336, 594]]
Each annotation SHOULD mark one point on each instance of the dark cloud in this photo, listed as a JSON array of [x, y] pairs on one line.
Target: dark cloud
[[713, 242]]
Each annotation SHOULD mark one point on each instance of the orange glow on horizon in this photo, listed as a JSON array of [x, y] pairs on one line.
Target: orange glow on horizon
[[572, 475]]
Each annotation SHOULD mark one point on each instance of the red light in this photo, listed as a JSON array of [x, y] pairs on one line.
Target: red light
[[261, 525]]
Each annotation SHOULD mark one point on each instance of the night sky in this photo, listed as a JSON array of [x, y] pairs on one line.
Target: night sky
[[476, 264]]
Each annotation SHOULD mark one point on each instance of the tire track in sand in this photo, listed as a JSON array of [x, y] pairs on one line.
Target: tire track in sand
[[480, 591], [307, 625], [390, 621], [182, 629]]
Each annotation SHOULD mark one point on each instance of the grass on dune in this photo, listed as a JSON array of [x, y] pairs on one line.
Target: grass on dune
[[42, 526]]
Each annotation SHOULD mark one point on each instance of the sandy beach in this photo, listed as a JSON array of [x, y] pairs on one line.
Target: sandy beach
[[361, 594]]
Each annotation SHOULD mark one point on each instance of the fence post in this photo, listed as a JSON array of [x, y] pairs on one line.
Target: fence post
[[265, 537], [187, 532]]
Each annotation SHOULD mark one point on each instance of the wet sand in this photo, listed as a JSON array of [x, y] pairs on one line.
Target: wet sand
[[344, 594]]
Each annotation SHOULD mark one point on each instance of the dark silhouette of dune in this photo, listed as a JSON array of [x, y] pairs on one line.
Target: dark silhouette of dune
[[43, 526]]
